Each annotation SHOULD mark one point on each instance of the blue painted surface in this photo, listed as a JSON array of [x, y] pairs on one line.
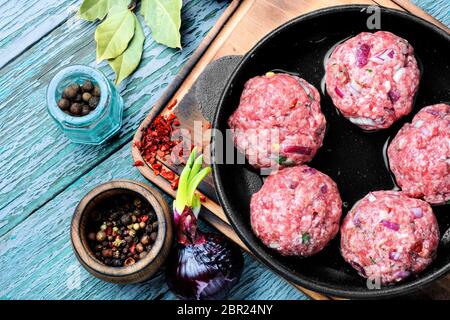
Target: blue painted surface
[[43, 176]]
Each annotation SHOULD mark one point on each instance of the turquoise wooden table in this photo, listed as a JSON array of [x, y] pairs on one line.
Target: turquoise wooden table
[[43, 175]]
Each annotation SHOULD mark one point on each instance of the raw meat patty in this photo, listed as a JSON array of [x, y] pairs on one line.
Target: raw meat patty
[[372, 79], [419, 155], [278, 121], [297, 211], [388, 236]]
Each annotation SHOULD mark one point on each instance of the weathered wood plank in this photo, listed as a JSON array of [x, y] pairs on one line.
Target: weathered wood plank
[[24, 22], [36, 161], [37, 262]]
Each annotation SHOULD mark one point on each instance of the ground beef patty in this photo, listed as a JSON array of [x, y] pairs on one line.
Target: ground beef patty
[[278, 121], [372, 79], [297, 211], [419, 155], [388, 236]]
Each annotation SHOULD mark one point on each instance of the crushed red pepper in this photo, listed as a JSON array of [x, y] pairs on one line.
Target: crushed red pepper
[[156, 142]]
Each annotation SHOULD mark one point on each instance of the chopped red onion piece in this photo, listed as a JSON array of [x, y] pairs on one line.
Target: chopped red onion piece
[[418, 213], [394, 255], [297, 149], [362, 55], [355, 88], [310, 170], [324, 188], [356, 220], [402, 275], [394, 95], [391, 225], [382, 56], [339, 92], [293, 184]]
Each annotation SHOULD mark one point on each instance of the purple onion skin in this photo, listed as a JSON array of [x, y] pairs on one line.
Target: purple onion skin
[[204, 271], [362, 55]]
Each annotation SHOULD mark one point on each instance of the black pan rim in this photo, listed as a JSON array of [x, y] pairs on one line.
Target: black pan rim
[[388, 292]]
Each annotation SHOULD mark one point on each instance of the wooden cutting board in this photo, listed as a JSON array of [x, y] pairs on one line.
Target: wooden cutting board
[[241, 26]]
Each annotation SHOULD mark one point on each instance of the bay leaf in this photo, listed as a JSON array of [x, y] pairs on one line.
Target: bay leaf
[[127, 62], [164, 19], [92, 10], [114, 34]]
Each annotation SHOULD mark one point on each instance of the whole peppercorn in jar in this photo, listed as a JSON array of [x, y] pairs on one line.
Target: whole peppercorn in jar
[[125, 232], [84, 104]]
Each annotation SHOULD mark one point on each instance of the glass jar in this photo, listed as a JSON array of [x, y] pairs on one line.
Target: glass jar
[[101, 123]]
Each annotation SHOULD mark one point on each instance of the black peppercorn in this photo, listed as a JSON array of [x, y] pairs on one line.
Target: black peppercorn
[[70, 92], [85, 110], [87, 86], [78, 98], [125, 219], [116, 263], [75, 109], [64, 104], [96, 91]]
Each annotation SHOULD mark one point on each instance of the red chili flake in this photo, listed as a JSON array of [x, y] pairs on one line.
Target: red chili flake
[[294, 103], [160, 153], [202, 197], [176, 123], [174, 184], [156, 139], [133, 247], [156, 172], [143, 218], [208, 126], [138, 163], [172, 104], [169, 175], [118, 237], [157, 165], [171, 117]]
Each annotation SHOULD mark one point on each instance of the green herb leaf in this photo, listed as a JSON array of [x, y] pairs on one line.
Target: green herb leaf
[[164, 18], [128, 61], [181, 197], [281, 159], [306, 238], [114, 34], [92, 10], [373, 260]]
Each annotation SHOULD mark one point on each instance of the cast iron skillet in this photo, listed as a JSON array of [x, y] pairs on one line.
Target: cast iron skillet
[[352, 157]]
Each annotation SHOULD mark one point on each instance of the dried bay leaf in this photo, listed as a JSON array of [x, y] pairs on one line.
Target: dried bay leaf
[[92, 10], [128, 61], [164, 19], [114, 34]]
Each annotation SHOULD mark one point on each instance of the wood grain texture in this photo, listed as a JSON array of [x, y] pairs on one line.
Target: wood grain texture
[[37, 261], [52, 163], [25, 22]]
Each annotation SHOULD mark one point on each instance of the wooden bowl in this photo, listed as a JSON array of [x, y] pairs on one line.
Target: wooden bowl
[[144, 268]]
